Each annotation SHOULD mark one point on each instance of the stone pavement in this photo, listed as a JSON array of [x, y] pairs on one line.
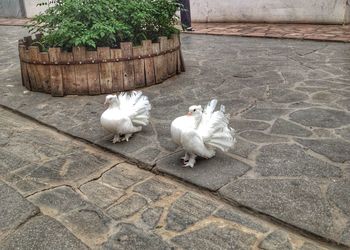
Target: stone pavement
[[59, 193], [289, 102], [339, 33]]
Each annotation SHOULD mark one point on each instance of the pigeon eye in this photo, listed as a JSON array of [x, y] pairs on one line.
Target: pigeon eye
[[194, 110]]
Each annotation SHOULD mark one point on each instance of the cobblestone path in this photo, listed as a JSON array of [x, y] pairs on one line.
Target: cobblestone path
[[59, 193], [290, 104]]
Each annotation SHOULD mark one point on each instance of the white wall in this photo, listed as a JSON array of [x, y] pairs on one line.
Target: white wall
[[31, 7], [294, 11]]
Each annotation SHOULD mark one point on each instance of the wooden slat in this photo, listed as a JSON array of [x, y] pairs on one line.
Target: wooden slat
[[44, 72], [128, 66], [68, 74], [163, 44], [171, 59], [79, 54], [139, 67], [117, 71], [56, 73], [34, 74], [157, 63], [25, 77], [149, 63], [93, 74], [177, 54], [105, 70]]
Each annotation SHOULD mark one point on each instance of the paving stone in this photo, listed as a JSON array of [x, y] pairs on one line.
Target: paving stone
[[241, 219], [23, 185], [339, 192], [69, 167], [335, 150], [150, 154], [124, 175], [152, 216], [243, 148], [88, 223], [155, 189], [187, 210], [10, 162], [310, 246], [275, 241], [345, 103], [323, 133], [297, 202], [285, 159], [242, 125], [344, 133], [264, 114], [260, 137], [137, 142], [284, 127], [212, 173], [14, 209], [130, 237], [42, 232], [58, 200], [100, 194], [324, 97], [215, 237], [345, 236], [323, 118], [127, 207], [287, 96]]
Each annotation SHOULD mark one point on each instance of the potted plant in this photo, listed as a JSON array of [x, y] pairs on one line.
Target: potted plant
[[101, 46]]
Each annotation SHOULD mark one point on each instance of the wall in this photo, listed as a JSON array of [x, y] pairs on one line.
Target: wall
[[31, 7], [294, 11], [11, 8]]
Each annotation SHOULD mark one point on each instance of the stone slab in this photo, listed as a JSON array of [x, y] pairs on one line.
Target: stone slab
[[58, 200], [42, 232], [127, 207], [187, 210], [155, 189], [334, 149], [323, 118], [241, 219], [130, 237], [297, 202], [14, 209], [215, 237], [211, 174], [285, 159]]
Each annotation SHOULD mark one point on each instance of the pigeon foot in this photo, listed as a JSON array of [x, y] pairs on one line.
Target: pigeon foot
[[127, 137], [116, 139], [191, 161], [186, 158]]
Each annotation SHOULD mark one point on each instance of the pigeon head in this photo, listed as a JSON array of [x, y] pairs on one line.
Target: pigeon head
[[110, 99], [195, 110]]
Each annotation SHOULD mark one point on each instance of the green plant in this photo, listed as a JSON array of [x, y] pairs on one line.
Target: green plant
[[93, 23]]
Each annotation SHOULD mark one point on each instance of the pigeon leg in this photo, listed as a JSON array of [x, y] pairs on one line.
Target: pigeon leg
[[127, 137], [191, 161], [116, 138], [186, 157], [134, 130]]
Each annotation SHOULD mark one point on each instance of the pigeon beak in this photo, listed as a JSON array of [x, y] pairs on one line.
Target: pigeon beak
[[105, 104], [189, 113]]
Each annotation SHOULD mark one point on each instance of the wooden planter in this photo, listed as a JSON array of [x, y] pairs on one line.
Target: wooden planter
[[83, 72]]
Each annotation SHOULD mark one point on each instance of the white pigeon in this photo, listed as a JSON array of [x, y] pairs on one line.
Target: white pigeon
[[126, 114], [201, 133]]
